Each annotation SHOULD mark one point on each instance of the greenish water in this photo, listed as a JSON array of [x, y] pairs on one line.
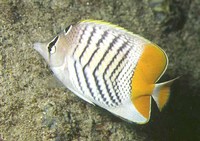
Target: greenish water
[[32, 108]]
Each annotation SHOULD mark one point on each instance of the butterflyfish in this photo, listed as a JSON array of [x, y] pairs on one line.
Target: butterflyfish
[[108, 66]]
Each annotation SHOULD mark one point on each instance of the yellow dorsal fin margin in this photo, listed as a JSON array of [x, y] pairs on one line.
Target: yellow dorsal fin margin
[[150, 67], [114, 26], [101, 22]]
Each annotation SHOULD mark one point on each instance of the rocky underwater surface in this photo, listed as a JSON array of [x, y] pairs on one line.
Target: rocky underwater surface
[[33, 108]]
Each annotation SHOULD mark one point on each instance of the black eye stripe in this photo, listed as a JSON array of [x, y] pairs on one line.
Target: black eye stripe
[[67, 28], [52, 44]]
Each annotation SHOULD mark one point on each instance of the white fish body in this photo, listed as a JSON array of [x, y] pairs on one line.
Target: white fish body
[[110, 67]]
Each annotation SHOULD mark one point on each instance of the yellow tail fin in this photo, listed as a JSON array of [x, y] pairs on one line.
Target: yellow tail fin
[[161, 93]]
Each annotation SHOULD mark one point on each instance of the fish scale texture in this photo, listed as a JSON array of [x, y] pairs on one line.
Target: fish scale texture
[[98, 58]]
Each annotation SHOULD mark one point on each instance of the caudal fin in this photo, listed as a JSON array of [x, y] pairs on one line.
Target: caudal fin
[[161, 93]]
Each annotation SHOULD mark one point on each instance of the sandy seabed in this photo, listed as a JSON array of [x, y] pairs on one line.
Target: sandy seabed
[[32, 108]]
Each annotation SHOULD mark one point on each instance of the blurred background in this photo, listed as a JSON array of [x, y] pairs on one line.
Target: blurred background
[[33, 107]]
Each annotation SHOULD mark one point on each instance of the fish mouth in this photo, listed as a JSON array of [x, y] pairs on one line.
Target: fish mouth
[[40, 48], [37, 46]]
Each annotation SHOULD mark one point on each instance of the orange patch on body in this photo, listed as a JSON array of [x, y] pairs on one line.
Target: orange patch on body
[[143, 105], [149, 68], [152, 63]]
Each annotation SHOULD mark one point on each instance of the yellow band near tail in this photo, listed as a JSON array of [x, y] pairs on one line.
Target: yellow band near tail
[[150, 66]]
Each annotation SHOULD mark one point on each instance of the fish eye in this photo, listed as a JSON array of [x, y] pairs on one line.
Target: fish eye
[[67, 29], [53, 50], [52, 46]]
